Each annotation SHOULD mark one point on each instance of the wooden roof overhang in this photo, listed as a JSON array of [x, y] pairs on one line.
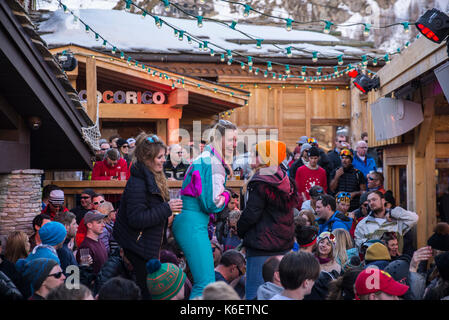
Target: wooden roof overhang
[[34, 85], [113, 74]]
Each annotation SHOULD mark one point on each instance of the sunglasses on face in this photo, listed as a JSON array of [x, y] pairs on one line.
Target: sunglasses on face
[[125, 146], [56, 275], [98, 202], [240, 271], [371, 178]]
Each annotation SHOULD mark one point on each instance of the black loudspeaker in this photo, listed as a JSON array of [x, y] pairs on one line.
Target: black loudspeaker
[[442, 74], [394, 117]]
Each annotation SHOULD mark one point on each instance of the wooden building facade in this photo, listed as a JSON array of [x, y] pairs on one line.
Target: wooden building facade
[[416, 163]]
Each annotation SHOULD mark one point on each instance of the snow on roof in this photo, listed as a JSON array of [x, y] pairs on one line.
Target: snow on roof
[[132, 33]]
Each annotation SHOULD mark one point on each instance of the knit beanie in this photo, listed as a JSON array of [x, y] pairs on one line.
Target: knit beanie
[[120, 142], [272, 152], [440, 239], [314, 152], [56, 197], [442, 263], [306, 235], [377, 251], [165, 280], [36, 271], [304, 147], [52, 233]]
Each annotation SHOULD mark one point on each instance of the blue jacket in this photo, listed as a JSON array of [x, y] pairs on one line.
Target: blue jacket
[[66, 256], [337, 221], [365, 166]]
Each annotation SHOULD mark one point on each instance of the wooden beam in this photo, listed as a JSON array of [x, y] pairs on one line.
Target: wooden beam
[[73, 75], [173, 130], [138, 111], [161, 129], [178, 98], [425, 127], [421, 56], [91, 88]]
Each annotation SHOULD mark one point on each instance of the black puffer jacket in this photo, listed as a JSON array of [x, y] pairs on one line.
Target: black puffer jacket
[[113, 267], [143, 214], [8, 290], [266, 225]]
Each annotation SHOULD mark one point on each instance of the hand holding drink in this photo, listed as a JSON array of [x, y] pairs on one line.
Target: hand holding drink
[[175, 202]]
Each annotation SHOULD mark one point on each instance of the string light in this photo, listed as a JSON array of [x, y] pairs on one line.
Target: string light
[[222, 57], [199, 21], [289, 52], [269, 66], [128, 6], [367, 29], [289, 24], [229, 54], [259, 43], [406, 26], [233, 24], [250, 61], [212, 53], [340, 60], [327, 27], [246, 11], [314, 56], [167, 5]]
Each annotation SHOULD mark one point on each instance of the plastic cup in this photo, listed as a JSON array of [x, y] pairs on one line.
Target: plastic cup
[[175, 194], [84, 256]]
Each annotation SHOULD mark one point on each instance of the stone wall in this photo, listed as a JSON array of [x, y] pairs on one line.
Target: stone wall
[[20, 200]]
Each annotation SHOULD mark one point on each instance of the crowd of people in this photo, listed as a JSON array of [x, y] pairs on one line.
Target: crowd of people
[[312, 226]]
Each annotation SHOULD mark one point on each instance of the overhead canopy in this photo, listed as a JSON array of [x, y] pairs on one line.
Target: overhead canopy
[[205, 98]]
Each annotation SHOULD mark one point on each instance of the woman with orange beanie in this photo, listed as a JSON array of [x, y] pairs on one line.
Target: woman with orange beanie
[[266, 224]]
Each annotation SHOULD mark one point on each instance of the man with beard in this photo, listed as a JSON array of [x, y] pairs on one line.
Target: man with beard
[[381, 220], [348, 179]]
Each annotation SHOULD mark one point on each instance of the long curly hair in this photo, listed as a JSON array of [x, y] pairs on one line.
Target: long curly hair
[[145, 153]]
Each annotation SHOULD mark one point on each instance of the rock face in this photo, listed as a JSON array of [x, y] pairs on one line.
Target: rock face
[[20, 200]]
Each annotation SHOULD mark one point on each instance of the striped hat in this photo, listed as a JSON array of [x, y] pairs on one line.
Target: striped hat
[[56, 197], [164, 280]]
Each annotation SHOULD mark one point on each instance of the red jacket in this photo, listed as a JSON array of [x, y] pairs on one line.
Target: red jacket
[[307, 178], [102, 171], [50, 213]]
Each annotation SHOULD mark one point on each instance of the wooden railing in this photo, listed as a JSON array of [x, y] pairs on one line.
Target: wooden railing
[[73, 188]]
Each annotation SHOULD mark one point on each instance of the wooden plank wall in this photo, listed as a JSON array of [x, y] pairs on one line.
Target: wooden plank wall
[[292, 110]]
